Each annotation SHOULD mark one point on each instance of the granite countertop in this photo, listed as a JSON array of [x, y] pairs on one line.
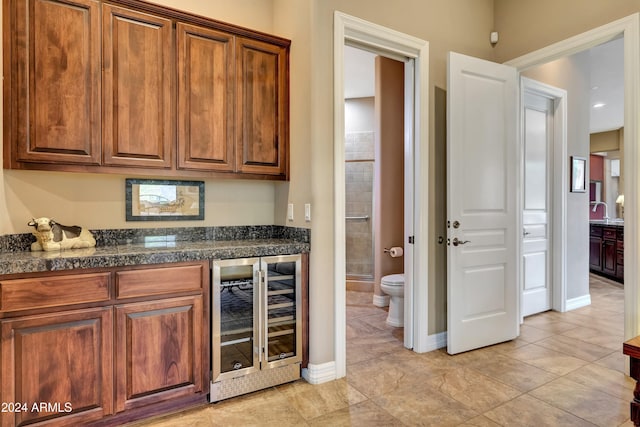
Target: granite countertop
[[608, 223], [155, 251]]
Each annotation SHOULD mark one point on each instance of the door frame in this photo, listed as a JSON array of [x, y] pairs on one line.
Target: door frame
[[558, 176], [393, 44], [629, 28]]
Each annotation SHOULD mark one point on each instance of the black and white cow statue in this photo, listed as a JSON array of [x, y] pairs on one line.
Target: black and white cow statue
[[51, 236]]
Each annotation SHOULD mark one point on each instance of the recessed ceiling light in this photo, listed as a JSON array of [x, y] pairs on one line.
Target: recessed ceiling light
[[595, 88], [599, 105]]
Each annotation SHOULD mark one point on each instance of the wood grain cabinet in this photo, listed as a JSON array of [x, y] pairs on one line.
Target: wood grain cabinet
[[52, 85], [132, 345], [137, 60], [606, 251], [63, 359], [262, 108], [205, 60], [158, 351], [126, 86]]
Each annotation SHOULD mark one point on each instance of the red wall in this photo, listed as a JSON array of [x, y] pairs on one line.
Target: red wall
[[596, 173], [596, 168]]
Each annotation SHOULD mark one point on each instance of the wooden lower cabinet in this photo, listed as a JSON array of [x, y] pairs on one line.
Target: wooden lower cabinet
[[609, 257], [606, 251], [136, 348], [57, 367], [158, 351], [595, 253]]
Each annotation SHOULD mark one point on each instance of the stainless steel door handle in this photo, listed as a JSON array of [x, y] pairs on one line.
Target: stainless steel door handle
[[457, 242]]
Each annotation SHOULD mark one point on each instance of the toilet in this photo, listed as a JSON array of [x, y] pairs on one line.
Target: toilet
[[393, 285]]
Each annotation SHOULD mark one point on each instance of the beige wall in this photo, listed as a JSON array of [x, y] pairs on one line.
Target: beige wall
[[528, 25], [605, 141]]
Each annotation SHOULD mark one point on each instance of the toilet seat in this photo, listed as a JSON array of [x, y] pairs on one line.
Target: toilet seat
[[393, 280]]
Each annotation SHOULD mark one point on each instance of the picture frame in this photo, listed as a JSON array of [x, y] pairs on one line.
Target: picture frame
[[578, 174], [163, 200]]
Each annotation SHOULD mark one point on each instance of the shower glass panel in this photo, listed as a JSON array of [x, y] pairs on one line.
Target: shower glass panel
[[359, 219]]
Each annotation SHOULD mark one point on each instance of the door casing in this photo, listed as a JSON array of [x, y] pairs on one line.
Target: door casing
[[558, 174]]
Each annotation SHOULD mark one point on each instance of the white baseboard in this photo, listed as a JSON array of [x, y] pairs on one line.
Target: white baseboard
[[318, 374], [432, 342], [579, 302], [380, 300]]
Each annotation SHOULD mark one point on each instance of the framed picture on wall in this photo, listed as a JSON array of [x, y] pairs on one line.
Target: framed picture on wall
[[163, 200], [578, 174]]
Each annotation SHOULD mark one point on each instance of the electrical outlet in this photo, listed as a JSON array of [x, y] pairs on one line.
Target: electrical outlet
[[290, 212]]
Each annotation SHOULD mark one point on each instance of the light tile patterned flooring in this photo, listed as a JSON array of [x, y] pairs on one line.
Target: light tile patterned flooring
[[566, 369]]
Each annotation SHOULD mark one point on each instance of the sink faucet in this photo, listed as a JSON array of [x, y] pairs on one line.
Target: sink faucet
[[606, 209]]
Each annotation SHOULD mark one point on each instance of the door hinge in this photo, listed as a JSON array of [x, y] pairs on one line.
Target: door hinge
[[411, 240]]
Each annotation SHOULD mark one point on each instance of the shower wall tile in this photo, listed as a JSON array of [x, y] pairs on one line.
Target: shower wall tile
[[359, 146], [359, 202]]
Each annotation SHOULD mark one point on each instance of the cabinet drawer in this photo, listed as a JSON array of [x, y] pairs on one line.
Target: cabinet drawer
[[159, 281], [53, 291], [595, 230], [609, 233]]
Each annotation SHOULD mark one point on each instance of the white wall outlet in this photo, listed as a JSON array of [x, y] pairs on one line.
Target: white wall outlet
[[290, 212], [307, 212]]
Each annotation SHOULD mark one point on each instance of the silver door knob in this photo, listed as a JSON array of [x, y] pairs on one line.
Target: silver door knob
[[457, 242]]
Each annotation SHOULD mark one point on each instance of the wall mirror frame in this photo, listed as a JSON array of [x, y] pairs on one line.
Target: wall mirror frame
[[164, 200]]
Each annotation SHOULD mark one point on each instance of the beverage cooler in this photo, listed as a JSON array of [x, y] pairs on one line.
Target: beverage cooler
[[256, 334]]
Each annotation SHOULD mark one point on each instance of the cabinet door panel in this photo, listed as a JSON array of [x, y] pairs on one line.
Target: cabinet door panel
[[595, 253], [262, 108], [609, 257], [58, 91], [61, 358], [205, 99], [137, 89], [158, 351]]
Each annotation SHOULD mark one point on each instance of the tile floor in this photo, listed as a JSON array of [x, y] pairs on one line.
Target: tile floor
[[566, 369]]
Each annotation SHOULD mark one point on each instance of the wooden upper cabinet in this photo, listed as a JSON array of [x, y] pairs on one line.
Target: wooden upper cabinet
[[137, 88], [54, 109], [262, 107], [205, 64], [127, 86]]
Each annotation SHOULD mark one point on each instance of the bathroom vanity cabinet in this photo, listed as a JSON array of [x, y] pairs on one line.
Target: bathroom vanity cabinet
[[257, 323]]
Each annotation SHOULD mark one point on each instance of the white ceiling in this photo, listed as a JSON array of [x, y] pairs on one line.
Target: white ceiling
[[607, 86], [607, 77]]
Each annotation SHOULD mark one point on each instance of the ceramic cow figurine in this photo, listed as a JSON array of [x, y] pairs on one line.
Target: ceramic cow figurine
[[51, 236]]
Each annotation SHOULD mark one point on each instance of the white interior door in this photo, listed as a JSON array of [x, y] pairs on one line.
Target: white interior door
[[482, 205], [538, 132]]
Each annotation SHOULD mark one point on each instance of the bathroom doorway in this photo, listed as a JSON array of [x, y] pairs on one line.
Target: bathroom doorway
[[374, 170], [413, 53]]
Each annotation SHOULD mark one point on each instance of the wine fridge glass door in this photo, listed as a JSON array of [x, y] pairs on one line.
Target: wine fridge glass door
[[282, 331], [235, 344]]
